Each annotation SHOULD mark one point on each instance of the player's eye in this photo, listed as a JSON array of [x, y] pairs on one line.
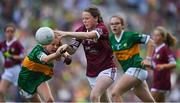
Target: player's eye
[[115, 23], [9, 31]]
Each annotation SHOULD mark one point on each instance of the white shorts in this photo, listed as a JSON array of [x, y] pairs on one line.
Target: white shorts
[[111, 72], [25, 94], [159, 90], [11, 74], [139, 73]]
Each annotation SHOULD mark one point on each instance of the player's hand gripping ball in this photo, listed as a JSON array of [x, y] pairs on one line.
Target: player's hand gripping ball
[[44, 35]]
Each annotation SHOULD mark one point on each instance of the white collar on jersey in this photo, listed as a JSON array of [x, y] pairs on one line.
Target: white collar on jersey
[[10, 42], [118, 39], [159, 47]]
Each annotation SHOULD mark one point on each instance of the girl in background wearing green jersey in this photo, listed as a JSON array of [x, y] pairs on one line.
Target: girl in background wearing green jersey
[[125, 46], [37, 69]]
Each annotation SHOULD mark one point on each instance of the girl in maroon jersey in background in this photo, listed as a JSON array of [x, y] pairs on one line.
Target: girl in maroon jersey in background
[[162, 63], [13, 54], [93, 35]]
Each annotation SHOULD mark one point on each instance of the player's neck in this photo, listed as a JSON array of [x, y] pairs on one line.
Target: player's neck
[[118, 34], [9, 39], [158, 44], [92, 28]]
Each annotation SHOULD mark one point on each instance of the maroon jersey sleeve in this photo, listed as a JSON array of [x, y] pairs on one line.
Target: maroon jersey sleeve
[[170, 56], [75, 43], [21, 48], [101, 31]]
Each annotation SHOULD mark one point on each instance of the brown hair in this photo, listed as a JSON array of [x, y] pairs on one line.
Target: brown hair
[[95, 13], [121, 19], [170, 40], [10, 25]]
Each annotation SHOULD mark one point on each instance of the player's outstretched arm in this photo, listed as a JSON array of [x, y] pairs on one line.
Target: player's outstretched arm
[[79, 35], [150, 48], [50, 57], [62, 49], [53, 56]]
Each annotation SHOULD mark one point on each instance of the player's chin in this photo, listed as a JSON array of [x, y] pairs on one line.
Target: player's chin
[[88, 27], [113, 31]]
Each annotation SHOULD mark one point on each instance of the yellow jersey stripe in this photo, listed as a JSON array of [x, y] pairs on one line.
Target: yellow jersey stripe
[[37, 67], [128, 53]]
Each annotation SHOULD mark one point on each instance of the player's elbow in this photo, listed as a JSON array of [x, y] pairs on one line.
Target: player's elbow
[[91, 35], [44, 59]]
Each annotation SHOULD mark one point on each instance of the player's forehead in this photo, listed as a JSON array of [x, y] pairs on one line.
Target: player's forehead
[[56, 41], [86, 14], [10, 28], [115, 19], [156, 32]]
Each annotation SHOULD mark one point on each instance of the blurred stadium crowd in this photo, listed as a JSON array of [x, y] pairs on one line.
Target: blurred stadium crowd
[[69, 82]]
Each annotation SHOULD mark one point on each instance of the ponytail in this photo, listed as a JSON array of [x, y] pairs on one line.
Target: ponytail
[[100, 20], [170, 40]]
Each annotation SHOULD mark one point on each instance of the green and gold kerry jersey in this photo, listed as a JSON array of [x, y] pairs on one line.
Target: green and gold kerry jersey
[[126, 48], [34, 71]]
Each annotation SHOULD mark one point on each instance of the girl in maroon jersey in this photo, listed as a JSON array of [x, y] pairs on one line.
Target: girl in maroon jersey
[[13, 54], [93, 35], [162, 63]]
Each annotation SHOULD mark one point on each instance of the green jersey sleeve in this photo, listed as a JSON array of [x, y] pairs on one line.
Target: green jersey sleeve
[[140, 38], [40, 54]]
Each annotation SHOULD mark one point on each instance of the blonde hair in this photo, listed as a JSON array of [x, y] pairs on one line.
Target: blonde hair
[[170, 39], [121, 19]]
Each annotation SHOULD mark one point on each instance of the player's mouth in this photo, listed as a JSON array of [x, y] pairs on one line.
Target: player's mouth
[[114, 29]]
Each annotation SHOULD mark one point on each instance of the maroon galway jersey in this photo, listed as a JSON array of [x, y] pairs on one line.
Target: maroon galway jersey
[[98, 52], [161, 79], [15, 48]]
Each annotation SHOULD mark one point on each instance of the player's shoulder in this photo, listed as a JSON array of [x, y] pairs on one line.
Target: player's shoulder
[[101, 26], [36, 50], [130, 33], [111, 35], [3, 42], [166, 48], [37, 47], [17, 42], [81, 28]]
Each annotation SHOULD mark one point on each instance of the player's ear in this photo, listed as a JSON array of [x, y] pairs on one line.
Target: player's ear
[[96, 19], [124, 26]]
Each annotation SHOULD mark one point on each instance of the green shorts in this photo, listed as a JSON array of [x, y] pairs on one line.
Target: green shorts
[[29, 80]]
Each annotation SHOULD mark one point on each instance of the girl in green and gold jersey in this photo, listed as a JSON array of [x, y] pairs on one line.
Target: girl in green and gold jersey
[[125, 45], [37, 69]]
